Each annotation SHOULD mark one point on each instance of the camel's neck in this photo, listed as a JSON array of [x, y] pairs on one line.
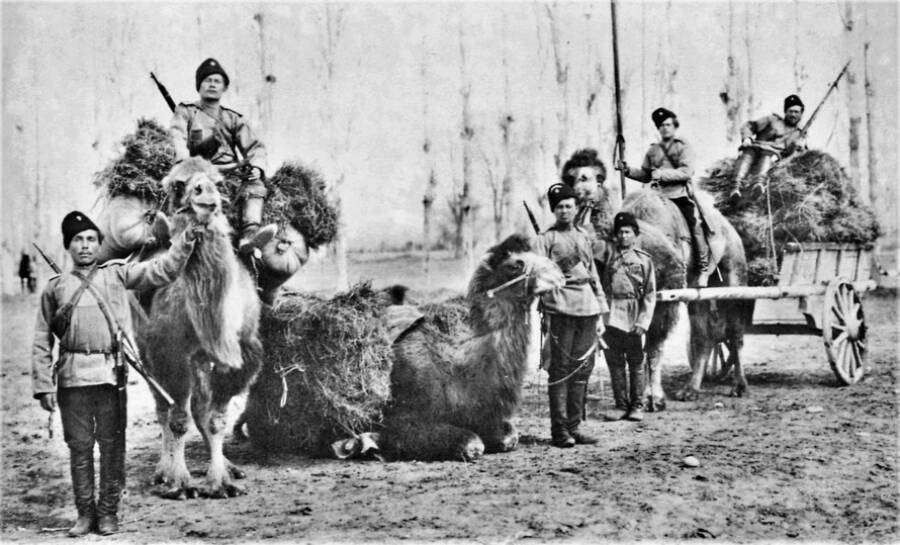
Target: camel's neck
[[504, 326]]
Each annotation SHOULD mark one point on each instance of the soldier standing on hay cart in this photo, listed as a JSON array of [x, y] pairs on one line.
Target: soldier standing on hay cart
[[220, 135]]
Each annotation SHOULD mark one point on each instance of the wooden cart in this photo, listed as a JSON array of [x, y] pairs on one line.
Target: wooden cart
[[818, 293]]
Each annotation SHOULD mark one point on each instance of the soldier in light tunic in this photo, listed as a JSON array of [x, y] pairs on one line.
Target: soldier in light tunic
[[573, 313], [80, 312], [630, 286]]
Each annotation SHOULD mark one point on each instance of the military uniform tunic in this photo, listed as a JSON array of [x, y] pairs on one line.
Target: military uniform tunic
[[85, 350], [671, 164], [573, 251], [774, 135], [193, 123], [630, 285]]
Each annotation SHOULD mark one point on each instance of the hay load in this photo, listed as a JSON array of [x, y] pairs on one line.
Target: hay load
[[812, 200], [132, 185], [328, 367]]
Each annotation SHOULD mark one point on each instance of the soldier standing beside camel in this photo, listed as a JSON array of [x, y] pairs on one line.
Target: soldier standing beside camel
[[629, 282], [80, 310], [573, 312]]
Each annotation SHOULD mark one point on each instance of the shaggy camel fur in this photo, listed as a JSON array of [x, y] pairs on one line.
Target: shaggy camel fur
[[455, 402], [710, 325], [201, 340]]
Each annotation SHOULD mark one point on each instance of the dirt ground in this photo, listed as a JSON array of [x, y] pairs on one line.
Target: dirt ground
[[799, 459]]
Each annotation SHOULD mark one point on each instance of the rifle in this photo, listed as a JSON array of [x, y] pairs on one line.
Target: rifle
[[164, 92], [534, 222], [831, 88], [126, 344], [619, 148]]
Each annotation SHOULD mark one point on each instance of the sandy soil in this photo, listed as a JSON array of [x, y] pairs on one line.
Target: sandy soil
[[800, 458]]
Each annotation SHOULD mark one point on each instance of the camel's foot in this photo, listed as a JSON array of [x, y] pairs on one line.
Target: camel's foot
[[174, 485], [221, 489], [235, 472], [739, 390], [505, 441], [655, 404], [473, 449], [688, 393]]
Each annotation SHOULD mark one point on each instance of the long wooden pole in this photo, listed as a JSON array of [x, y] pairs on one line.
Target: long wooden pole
[[619, 148], [751, 292]]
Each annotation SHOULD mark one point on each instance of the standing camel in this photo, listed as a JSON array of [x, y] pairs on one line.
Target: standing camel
[[201, 341]]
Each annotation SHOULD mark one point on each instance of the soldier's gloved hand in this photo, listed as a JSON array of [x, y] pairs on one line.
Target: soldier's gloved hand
[[601, 328], [194, 232], [48, 401], [253, 174], [639, 331], [746, 142], [655, 175], [621, 165]]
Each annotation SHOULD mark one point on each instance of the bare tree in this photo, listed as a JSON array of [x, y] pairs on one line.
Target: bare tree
[[431, 176], [800, 74], [334, 24], [854, 104], [461, 204], [871, 151], [561, 60], [750, 22], [264, 98], [733, 95]]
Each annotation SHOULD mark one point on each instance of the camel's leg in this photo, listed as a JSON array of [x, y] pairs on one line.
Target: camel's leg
[[654, 393], [210, 415], [739, 388], [504, 439], [171, 470], [702, 340], [408, 437]]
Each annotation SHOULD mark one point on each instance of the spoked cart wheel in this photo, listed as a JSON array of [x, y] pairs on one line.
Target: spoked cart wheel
[[844, 331]]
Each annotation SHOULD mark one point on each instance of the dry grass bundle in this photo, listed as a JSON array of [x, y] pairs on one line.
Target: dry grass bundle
[[328, 362], [811, 200], [297, 195], [147, 156], [296, 192], [328, 365]]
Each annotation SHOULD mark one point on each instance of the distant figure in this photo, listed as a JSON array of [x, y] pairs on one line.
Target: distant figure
[[767, 140], [26, 273], [222, 136]]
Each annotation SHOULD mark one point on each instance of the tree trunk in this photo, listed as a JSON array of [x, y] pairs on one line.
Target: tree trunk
[[733, 95], [501, 218], [748, 46], [264, 98], [800, 74], [464, 223], [854, 102], [562, 81], [871, 148], [431, 178]]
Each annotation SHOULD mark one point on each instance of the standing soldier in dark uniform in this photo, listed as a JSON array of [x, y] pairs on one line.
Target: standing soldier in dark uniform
[[766, 140], [221, 135], [630, 286], [573, 313], [669, 165], [80, 311]]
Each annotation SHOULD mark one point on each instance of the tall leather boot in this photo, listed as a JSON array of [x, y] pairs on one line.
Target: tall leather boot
[[619, 383], [112, 482], [741, 169], [701, 245], [252, 236], [559, 431], [636, 379], [575, 409], [81, 464]]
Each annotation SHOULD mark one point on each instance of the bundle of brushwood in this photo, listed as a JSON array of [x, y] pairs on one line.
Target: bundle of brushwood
[[327, 367], [811, 200], [132, 185]]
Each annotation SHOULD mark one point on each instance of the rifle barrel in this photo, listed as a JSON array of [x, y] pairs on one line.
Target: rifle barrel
[[821, 103], [619, 150]]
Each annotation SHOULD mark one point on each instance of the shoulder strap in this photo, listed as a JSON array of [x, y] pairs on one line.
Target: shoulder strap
[[63, 316]]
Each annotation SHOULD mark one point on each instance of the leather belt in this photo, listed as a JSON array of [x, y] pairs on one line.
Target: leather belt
[[106, 351]]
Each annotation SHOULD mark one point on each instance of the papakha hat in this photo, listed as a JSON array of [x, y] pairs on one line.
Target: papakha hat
[[625, 219], [207, 68], [74, 223], [559, 192]]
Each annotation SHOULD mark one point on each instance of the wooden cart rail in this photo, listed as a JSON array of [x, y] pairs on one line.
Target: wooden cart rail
[[752, 292]]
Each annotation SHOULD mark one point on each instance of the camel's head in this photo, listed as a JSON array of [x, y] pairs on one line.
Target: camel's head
[[194, 188], [511, 267]]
